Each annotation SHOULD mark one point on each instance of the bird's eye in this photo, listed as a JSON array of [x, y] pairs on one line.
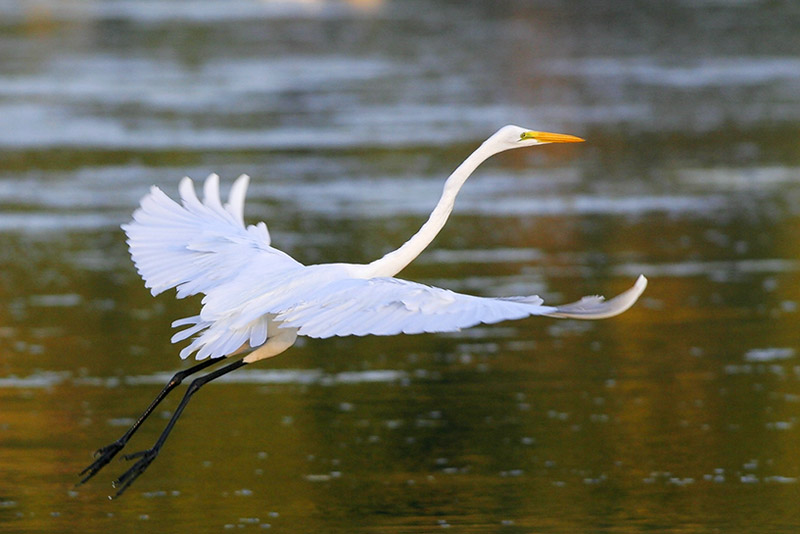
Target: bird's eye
[[522, 136]]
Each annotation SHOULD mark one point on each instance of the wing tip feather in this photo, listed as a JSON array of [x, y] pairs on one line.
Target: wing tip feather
[[599, 308]]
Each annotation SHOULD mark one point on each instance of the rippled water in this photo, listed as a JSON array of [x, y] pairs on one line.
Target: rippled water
[[681, 415]]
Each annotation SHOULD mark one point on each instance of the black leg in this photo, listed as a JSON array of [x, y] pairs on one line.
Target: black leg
[[147, 456], [103, 455]]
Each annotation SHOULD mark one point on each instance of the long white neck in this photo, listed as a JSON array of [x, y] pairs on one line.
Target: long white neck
[[393, 262]]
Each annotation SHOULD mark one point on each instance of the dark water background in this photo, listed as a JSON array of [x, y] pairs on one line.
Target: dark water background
[[679, 416]]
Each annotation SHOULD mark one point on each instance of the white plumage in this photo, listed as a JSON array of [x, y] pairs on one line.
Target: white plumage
[[254, 292], [258, 299]]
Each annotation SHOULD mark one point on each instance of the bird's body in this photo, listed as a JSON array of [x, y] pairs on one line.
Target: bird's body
[[257, 299]]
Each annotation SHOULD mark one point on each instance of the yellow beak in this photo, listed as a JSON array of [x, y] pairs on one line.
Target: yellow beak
[[546, 137]]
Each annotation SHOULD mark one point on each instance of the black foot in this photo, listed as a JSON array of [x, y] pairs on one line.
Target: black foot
[[146, 457], [103, 455]]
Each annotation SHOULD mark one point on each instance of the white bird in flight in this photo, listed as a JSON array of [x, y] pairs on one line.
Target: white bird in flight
[[257, 299]]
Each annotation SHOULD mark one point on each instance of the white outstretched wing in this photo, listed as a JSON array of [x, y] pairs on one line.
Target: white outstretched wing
[[250, 287], [387, 306], [322, 301], [195, 246]]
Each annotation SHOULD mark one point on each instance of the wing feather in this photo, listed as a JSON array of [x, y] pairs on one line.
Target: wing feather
[[387, 306], [326, 302], [249, 287], [197, 245], [323, 301]]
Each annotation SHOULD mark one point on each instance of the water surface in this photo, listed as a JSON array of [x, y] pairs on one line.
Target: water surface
[[681, 415]]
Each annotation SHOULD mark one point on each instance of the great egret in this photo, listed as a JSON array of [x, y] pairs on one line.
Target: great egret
[[259, 299]]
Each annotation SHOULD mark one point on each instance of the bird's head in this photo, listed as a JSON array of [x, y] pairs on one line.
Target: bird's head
[[511, 136]]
